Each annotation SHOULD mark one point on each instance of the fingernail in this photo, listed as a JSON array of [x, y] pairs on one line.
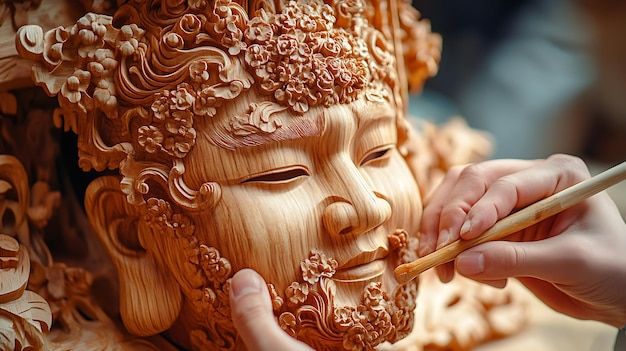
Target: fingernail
[[424, 249], [471, 263], [444, 237], [245, 282], [467, 225], [445, 274]]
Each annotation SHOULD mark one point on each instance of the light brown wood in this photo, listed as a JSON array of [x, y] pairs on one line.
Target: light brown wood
[[517, 221], [234, 130]]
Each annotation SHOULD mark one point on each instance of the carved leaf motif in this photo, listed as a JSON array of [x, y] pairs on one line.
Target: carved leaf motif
[[32, 308], [24, 315]]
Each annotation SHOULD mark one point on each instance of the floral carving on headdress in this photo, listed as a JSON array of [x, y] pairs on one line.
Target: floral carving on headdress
[[303, 60]]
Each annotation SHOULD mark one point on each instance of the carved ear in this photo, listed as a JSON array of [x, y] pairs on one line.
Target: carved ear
[[150, 299]]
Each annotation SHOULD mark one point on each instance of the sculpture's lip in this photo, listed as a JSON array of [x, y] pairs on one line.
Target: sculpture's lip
[[364, 266]]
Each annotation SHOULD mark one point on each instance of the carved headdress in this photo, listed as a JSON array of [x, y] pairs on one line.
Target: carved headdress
[[156, 66]]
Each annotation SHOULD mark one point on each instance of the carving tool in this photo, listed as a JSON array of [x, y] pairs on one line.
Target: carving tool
[[517, 221]]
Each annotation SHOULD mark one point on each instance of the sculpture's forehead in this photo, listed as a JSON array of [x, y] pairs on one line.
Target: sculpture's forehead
[[265, 123]]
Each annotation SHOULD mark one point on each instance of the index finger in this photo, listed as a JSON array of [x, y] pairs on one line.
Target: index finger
[[446, 209], [520, 189]]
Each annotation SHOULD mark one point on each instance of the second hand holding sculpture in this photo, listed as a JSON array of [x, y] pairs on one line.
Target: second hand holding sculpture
[[517, 221]]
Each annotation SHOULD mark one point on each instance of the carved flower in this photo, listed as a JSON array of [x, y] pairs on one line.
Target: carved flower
[[297, 293], [374, 297], [209, 297], [105, 100], [205, 103], [302, 55], [157, 210], [209, 255], [181, 123], [398, 239], [296, 93], [102, 63], [256, 56], [287, 322], [197, 4], [183, 96], [75, 85], [176, 147], [356, 338], [150, 137], [332, 47], [89, 29], [160, 106], [182, 225], [277, 301], [231, 34], [127, 40], [325, 84], [288, 18], [259, 30], [199, 71], [344, 316], [307, 23], [214, 266], [286, 44], [316, 266]]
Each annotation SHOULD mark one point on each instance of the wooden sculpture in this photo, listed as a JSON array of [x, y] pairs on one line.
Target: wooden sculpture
[[258, 134]]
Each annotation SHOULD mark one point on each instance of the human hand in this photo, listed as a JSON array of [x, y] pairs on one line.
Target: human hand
[[251, 310], [574, 261]]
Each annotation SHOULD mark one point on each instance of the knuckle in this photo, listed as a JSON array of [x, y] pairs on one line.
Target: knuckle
[[515, 257], [456, 208], [475, 170], [574, 167], [249, 312], [455, 171]]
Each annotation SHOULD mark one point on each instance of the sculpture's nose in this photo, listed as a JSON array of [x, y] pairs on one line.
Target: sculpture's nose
[[346, 218], [357, 208]]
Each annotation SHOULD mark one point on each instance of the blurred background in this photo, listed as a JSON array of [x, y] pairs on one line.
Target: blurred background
[[542, 76]]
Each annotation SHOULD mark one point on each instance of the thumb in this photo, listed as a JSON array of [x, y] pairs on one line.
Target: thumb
[[550, 260], [251, 311]]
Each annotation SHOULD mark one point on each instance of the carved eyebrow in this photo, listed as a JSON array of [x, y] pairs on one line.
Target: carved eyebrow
[[373, 112], [291, 128]]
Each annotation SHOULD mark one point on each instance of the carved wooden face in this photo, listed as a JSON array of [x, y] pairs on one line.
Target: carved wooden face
[[333, 188], [342, 190]]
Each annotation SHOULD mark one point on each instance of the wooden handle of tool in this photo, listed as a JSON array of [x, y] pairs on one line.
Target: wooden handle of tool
[[517, 221]]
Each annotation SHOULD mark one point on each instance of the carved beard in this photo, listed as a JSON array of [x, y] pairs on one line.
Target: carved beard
[[379, 317], [310, 314]]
